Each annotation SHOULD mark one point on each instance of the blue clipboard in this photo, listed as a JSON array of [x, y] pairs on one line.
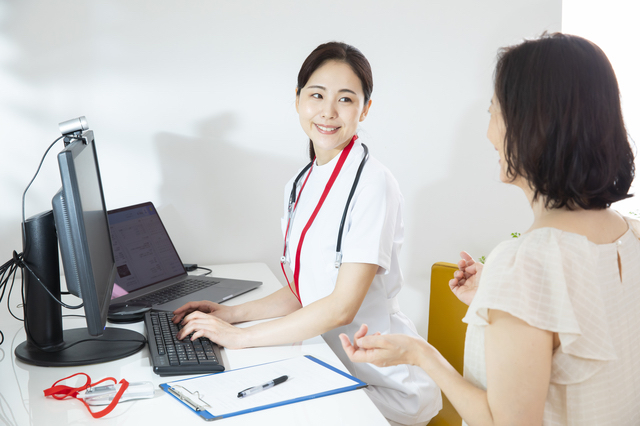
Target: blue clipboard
[[196, 393]]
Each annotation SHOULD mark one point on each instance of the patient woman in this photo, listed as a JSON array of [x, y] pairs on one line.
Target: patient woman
[[553, 333]]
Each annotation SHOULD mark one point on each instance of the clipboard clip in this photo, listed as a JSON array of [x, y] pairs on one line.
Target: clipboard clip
[[190, 398]]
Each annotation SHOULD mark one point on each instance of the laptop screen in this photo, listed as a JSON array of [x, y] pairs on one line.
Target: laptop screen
[[143, 251]]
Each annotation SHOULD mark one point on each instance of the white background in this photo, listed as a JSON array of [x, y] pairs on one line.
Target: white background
[[192, 104], [613, 26]]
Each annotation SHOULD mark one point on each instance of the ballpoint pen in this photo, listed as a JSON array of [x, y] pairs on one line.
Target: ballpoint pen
[[256, 389]]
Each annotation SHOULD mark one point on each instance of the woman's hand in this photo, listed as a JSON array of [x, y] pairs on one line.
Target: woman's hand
[[465, 281], [200, 324], [382, 350], [221, 311]]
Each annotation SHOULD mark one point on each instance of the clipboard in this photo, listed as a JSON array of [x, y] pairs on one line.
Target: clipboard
[[214, 396]]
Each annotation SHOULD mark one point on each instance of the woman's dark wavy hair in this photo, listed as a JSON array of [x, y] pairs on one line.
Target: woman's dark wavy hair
[[341, 52], [564, 129]]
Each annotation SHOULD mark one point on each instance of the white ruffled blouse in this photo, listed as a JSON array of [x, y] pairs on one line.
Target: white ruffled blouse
[[562, 282]]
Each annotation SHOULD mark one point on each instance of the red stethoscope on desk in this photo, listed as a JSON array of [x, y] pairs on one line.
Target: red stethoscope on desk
[[293, 203]]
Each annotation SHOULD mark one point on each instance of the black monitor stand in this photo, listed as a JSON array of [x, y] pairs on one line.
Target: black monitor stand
[[47, 344]]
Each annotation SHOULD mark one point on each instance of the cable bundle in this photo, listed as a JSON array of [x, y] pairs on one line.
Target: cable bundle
[[8, 273]]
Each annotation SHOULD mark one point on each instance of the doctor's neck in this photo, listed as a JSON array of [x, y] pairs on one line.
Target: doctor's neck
[[325, 155]]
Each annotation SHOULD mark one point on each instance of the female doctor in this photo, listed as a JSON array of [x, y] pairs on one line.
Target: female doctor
[[343, 276]]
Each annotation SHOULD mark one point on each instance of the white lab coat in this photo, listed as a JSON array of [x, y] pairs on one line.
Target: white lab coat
[[373, 233]]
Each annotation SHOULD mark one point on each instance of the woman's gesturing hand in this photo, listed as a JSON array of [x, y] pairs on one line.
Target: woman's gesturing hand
[[381, 350], [465, 281]]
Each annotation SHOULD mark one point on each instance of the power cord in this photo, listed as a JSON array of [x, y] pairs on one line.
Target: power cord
[[24, 194], [7, 272], [60, 302], [190, 267], [206, 269]]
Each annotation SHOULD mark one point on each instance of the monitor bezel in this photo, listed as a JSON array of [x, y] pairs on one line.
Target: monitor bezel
[[73, 239]]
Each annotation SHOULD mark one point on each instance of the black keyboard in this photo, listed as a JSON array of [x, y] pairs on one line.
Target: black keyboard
[[188, 286], [171, 356]]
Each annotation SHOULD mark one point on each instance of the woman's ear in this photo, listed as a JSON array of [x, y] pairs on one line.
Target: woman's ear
[[365, 110], [297, 100]]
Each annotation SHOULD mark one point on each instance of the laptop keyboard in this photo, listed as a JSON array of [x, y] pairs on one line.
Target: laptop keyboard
[[171, 356], [174, 292]]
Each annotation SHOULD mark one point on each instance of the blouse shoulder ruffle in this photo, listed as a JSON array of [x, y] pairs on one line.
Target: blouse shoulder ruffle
[[549, 279]]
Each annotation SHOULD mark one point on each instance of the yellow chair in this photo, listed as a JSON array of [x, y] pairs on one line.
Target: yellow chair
[[446, 331]]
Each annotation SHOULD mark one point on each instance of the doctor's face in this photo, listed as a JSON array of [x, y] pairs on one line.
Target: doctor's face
[[330, 107]]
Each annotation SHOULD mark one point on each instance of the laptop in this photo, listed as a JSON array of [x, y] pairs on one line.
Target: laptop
[[150, 272]]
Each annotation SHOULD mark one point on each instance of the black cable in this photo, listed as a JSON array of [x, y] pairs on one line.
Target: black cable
[[2, 272], [8, 272], [24, 194], [12, 273], [206, 269], [60, 302]]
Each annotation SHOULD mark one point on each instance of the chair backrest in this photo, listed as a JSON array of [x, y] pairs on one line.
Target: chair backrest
[[446, 330]]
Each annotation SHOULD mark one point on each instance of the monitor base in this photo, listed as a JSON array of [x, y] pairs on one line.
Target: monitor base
[[80, 348]]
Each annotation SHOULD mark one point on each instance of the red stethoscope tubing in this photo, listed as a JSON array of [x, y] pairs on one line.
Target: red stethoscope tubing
[[327, 189]]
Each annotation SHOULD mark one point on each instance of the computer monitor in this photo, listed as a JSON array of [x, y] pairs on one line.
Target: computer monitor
[[79, 223]]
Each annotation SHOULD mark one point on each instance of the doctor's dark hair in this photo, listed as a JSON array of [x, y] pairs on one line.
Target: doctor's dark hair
[[341, 52], [565, 134]]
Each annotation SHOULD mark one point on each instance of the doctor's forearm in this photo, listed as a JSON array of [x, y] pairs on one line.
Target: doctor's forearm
[[277, 304], [335, 310], [310, 321]]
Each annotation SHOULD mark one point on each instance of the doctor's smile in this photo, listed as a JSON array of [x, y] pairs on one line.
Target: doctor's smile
[[326, 130]]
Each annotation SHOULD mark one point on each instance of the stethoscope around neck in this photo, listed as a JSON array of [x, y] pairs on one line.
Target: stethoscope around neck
[[292, 207]]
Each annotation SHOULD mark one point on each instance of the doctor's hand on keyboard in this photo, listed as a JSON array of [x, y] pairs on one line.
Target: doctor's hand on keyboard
[[221, 311], [198, 324], [173, 356]]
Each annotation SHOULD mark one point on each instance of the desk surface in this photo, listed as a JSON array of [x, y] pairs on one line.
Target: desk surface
[[21, 385]]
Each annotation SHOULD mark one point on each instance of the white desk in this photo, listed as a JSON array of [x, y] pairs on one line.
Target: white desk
[[21, 385]]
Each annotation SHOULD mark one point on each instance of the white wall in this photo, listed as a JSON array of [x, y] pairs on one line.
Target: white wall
[[192, 104], [613, 27]]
